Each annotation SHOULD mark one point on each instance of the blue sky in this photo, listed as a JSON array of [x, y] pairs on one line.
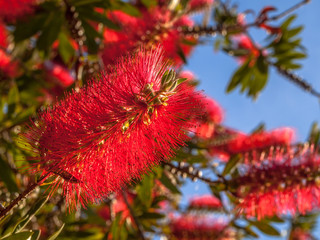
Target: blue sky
[[281, 103]]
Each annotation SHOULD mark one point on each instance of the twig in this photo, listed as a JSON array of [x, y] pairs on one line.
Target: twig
[[77, 33], [288, 11], [14, 203], [191, 172], [136, 221], [297, 80]]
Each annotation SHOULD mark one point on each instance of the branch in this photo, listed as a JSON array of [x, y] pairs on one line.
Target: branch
[[288, 11], [297, 80], [77, 33], [191, 172], [197, 31], [24, 194], [136, 221]]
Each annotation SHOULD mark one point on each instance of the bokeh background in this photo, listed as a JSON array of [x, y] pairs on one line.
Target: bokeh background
[[281, 103]]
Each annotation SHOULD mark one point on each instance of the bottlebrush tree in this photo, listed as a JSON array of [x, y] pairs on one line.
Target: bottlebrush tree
[[101, 125]]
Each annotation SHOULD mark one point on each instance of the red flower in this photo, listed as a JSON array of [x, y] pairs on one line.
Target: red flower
[[154, 26], [194, 227], [115, 129], [59, 74], [276, 188], [262, 144], [213, 115], [199, 4], [3, 36], [8, 68], [205, 202], [12, 9], [301, 234]]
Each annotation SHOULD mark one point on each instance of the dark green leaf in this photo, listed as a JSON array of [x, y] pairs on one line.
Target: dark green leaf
[[288, 21], [97, 17], [91, 35], [265, 228], [6, 175], [36, 235], [144, 189], [27, 29], [29, 215], [238, 76], [13, 99], [152, 215], [51, 31], [168, 184], [66, 50], [314, 134], [126, 8], [231, 164], [19, 236], [56, 234]]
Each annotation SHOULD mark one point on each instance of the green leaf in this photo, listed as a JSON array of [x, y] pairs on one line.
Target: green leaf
[[149, 3], [265, 228], [29, 215], [78, 3], [288, 21], [126, 8], [27, 29], [57, 233], [13, 99], [36, 235], [144, 189], [250, 232], [294, 31], [66, 50], [97, 17], [168, 184], [314, 134], [231, 164], [19, 236], [238, 76], [152, 215], [51, 31], [91, 35], [6, 175]]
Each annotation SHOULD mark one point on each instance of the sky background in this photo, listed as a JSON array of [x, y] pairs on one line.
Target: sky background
[[281, 103]]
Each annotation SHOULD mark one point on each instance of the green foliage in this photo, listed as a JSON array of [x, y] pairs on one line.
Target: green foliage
[[49, 35]]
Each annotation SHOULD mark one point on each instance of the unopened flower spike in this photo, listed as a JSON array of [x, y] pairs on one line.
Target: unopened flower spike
[[113, 130]]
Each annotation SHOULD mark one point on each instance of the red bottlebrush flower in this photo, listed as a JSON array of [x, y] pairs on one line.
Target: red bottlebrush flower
[[8, 68], [154, 26], [115, 129], [194, 227], [301, 234], [59, 74], [277, 188], [214, 115], [104, 213], [3, 36], [258, 145], [196, 5], [205, 202], [13, 9]]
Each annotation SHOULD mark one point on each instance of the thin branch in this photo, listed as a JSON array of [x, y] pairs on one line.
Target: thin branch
[[136, 221], [297, 80], [288, 11], [77, 33], [24, 194], [191, 172]]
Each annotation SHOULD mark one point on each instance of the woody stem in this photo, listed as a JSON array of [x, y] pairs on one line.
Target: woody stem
[[24, 194]]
